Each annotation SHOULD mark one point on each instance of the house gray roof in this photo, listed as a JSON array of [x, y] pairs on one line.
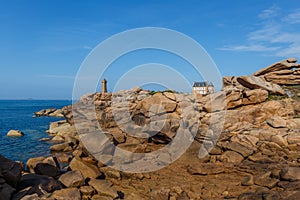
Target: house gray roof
[[202, 84]]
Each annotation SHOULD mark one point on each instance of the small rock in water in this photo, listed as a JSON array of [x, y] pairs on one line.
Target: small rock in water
[[15, 133], [44, 139]]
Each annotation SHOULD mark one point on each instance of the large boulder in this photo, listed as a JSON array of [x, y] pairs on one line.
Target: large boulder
[[56, 124], [285, 72], [63, 129], [25, 194], [6, 191], [242, 144], [254, 96], [157, 104], [57, 113], [277, 122], [293, 79], [293, 138], [15, 133], [104, 187], [67, 194], [289, 63], [44, 112], [11, 171], [232, 157], [258, 114], [72, 179], [32, 162], [236, 98], [87, 191], [290, 173], [41, 184], [231, 98], [214, 102], [87, 170], [47, 169], [61, 147], [253, 82], [231, 82]]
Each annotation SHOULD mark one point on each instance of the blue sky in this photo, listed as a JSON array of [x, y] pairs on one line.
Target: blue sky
[[43, 43]]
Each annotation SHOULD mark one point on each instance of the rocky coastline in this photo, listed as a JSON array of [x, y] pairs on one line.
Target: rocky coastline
[[255, 156]]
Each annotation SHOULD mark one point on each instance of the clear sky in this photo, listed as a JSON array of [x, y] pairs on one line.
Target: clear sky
[[44, 42]]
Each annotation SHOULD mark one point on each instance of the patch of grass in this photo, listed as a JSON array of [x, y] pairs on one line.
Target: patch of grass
[[154, 92], [168, 90], [275, 97]]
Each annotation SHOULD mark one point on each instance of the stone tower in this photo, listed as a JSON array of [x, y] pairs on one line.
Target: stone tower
[[104, 86]]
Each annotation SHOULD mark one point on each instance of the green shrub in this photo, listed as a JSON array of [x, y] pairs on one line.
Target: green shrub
[[167, 90]]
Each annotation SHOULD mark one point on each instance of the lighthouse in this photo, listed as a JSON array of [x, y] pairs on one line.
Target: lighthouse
[[104, 86]]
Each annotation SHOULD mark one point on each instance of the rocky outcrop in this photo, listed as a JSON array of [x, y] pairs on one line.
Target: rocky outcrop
[[15, 133], [271, 78], [290, 174], [250, 83], [67, 194], [10, 174], [11, 171], [51, 112], [87, 169], [287, 64], [231, 98], [252, 138], [253, 82], [285, 72], [104, 188], [255, 156], [39, 184], [72, 179], [231, 81]]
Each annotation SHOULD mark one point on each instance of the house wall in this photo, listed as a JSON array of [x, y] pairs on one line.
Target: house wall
[[203, 90]]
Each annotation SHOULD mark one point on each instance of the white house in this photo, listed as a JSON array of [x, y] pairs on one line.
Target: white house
[[202, 88]]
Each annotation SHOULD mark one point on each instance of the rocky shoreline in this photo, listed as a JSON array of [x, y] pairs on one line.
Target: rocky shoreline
[[256, 155]]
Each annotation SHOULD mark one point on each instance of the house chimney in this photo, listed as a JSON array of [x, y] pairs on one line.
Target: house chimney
[[104, 86]]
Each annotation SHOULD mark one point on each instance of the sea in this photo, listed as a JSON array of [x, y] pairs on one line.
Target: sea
[[18, 115]]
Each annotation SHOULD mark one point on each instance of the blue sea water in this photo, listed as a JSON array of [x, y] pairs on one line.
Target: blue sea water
[[17, 114]]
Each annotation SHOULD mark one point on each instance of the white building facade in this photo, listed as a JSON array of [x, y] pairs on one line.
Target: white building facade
[[202, 88]]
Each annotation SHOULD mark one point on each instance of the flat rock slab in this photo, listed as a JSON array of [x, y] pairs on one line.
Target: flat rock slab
[[103, 187], [290, 173], [87, 170], [72, 179], [67, 194]]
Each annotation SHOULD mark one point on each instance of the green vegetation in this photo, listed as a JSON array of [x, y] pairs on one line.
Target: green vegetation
[[293, 90], [167, 90], [275, 97], [154, 92]]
